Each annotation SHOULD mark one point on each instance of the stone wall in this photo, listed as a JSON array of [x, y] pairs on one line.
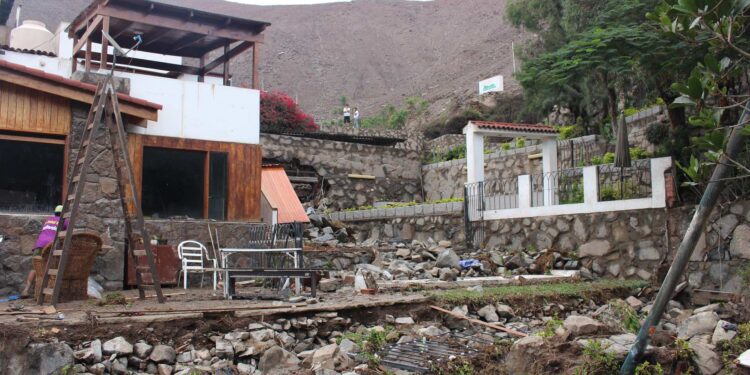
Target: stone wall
[[406, 229], [413, 140], [396, 171], [444, 143]]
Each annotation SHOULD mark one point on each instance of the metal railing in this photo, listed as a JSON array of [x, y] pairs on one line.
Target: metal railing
[[616, 183], [560, 187]]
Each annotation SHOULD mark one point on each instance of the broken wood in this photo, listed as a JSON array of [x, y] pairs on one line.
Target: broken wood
[[209, 309], [491, 325], [154, 295]]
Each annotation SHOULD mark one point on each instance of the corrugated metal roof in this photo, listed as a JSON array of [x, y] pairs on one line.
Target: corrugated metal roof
[[529, 128], [275, 185]]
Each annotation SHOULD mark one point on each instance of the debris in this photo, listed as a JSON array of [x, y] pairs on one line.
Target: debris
[[495, 326]]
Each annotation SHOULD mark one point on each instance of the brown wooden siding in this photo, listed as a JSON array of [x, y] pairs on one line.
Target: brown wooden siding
[[26, 110], [244, 169]]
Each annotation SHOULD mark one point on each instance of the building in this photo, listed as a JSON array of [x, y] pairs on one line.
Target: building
[[193, 137]]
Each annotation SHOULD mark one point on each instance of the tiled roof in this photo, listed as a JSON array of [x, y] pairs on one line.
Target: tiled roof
[[30, 51], [72, 83], [527, 128], [277, 188]]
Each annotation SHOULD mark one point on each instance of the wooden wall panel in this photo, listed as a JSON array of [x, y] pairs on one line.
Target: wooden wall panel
[[244, 169], [26, 110]]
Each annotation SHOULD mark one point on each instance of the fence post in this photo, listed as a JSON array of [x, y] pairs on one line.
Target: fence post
[[590, 184], [524, 191]]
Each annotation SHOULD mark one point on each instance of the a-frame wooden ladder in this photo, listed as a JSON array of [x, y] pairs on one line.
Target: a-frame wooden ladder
[[105, 111]]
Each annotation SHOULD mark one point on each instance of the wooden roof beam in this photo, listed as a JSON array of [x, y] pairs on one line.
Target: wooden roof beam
[[150, 64], [244, 46], [188, 41], [174, 22], [86, 35]]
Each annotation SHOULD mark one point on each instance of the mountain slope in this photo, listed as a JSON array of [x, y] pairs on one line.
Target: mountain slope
[[374, 52]]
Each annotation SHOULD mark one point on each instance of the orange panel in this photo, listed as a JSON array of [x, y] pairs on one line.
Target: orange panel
[[280, 193]]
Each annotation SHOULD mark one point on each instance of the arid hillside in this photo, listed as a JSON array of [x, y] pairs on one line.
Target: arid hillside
[[374, 52]]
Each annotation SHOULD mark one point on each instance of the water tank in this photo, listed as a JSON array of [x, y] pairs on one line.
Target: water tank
[[32, 35]]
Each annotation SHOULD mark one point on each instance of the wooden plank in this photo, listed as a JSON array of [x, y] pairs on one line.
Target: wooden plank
[[105, 43], [475, 321], [32, 139], [4, 98], [206, 185], [228, 55], [149, 64], [85, 37]]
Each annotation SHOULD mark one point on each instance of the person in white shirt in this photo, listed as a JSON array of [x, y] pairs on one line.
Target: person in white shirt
[[356, 118], [347, 114]]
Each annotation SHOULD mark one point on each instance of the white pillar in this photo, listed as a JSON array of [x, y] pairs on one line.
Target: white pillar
[[549, 164], [590, 185], [474, 155], [524, 191]]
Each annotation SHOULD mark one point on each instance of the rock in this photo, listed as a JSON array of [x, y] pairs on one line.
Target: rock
[[634, 302], [164, 369], [118, 345], [726, 225], [46, 358], [582, 325], [518, 359], [263, 335], [142, 350], [407, 320], [448, 274], [648, 253], [699, 324], [720, 334], [513, 262], [99, 368], [328, 285], [488, 313], [709, 363], [715, 307], [430, 331], [595, 248], [245, 368], [325, 353], [740, 245], [504, 311], [445, 243], [163, 354], [277, 358], [449, 259], [185, 357], [461, 310], [403, 253], [348, 346], [119, 368]]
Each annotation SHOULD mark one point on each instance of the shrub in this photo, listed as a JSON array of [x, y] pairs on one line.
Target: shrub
[[520, 142], [597, 360], [569, 131], [279, 114], [657, 133]]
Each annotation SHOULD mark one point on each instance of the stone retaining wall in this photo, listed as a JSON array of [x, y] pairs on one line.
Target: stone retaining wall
[[410, 211], [396, 171]]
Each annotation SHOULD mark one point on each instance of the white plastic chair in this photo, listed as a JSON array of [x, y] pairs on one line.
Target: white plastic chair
[[192, 254]]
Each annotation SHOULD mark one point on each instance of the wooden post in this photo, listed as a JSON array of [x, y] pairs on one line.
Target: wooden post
[[105, 43], [201, 72], [256, 63], [226, 64], [75, 61], [87, 56]]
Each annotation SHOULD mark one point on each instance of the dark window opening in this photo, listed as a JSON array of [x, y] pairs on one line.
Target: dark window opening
[[217, 186], [173, 182], [31, 175]]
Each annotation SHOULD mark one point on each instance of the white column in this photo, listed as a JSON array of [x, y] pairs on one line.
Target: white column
[[524, 191], [590, 185], [549, 164], [474, 155]]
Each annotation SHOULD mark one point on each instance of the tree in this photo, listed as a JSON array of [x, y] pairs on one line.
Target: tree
[[280, 114]]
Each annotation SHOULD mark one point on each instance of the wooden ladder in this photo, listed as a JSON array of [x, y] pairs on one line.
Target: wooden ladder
[[105, 110]]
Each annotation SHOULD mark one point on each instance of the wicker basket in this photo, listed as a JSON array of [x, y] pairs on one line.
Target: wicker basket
[[83, 251]]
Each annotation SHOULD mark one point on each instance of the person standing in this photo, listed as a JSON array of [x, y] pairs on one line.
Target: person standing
[[347, 115], [46, 236], [356, 118]]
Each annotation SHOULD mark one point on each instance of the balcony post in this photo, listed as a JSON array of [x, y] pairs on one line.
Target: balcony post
[[590, 185], [549, 165], [524, 191]]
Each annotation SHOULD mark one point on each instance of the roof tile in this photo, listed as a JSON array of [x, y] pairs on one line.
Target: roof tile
[[530, 128]]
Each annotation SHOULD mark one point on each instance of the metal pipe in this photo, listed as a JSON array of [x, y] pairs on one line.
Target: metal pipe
[[693, 233]]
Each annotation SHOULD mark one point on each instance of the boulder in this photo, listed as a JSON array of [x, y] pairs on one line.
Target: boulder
[[518, 359], [504, 311], [328, 285], [406, 320], [582, 325], [348, 346], [142, 349], [740, 245], [721, 334], [277, 358], [403, 252], [325, 353], [47, 358], [118, 345], [430, 331], [488, 314], [448, 259], [702, 323], [163, 354], [709, 363], [634, 302]]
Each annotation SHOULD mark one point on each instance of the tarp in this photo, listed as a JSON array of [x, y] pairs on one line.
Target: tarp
[[279, 192]]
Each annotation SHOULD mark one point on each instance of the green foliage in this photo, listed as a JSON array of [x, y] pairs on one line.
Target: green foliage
[[459, 366], [657, 133], [392, 117], [520, 142], [550, 327], [617, 191], [647, 368], [730, 350], [506, 146], [497, 294], [629, 319], [574, 193], [569, 131], [597, 361], [446, 200]]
